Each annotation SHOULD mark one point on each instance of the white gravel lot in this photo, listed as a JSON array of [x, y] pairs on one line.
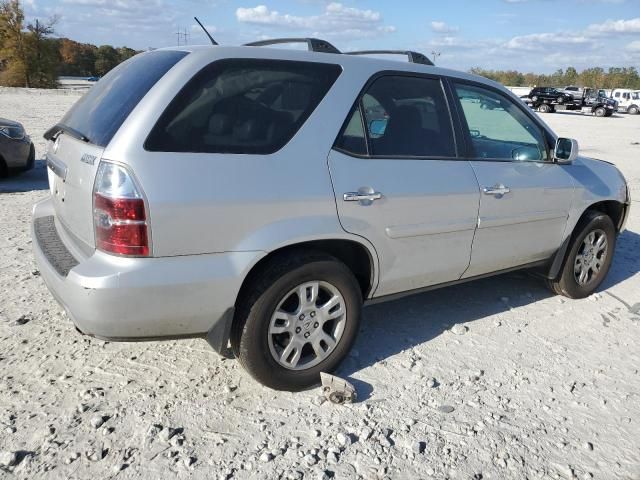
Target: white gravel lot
[[540, 386]]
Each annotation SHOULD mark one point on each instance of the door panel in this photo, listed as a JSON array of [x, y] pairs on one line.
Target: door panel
[[525, 199], [422, 226], [524, 225]]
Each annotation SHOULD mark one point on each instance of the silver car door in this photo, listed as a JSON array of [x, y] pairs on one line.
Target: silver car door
[[401, 186], [525, 197]]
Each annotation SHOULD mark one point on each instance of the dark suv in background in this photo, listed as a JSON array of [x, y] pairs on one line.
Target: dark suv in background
[[549, 94]]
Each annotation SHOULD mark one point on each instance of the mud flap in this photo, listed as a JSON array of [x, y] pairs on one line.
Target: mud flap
[[218, 336]]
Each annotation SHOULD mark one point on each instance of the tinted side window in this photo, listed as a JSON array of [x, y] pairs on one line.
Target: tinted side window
[[101, 111], [242, 106], [498, 128], [352, 139], [407, 117]]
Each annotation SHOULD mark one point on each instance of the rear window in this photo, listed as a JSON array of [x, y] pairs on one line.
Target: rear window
[[101, 111], [242, 106]]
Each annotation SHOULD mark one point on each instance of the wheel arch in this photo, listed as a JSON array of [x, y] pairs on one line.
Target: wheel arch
[[615, 209], [359, 258]]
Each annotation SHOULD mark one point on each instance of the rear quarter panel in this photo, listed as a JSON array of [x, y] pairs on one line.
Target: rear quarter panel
[[212, 203]]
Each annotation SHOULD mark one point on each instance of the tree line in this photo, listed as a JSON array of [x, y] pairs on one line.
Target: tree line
[[615, 77], [31, 57]]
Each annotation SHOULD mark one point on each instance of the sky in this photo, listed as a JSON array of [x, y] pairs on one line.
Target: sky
[[526, 35]]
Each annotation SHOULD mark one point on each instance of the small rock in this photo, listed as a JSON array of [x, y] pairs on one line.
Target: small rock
[[432, 383], [8, 459], [166, 433], [365, 433], [344, 439], [95, 455], [446, 408], [23, 320], [97, 421], [266, 457], [458, 329], [319, 400], [189, 461], [310, 460], [588, 446]]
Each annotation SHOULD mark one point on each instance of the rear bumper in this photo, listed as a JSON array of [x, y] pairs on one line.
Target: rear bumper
[[131, 299]]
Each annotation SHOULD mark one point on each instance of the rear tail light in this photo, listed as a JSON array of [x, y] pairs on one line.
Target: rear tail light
[[119, 212]]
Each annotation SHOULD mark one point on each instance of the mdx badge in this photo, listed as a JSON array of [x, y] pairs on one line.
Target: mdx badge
[[89, 159]]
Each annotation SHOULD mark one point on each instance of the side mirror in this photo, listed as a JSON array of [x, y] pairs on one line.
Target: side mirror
[[566, 150]]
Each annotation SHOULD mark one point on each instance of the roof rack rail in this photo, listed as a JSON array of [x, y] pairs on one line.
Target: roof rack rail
[[314, 44], [413, 57]]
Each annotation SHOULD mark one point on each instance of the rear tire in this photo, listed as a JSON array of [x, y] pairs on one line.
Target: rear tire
[[633, 110], [588, 258], [544, 108], [282, 335], [560, 99]]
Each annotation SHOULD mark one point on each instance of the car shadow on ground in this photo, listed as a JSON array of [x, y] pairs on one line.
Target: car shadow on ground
[[392, 327], [34, 179]]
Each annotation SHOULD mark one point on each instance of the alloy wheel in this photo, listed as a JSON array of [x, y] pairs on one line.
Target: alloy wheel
[[307, 325], [591, 257]]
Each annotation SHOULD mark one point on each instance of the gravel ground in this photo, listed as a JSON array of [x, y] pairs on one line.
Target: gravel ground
[[491, 379]]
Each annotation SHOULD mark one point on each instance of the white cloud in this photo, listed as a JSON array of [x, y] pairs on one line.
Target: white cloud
[[336, 20], [541, 41], [634, 46], [442, 27], [615, 27]]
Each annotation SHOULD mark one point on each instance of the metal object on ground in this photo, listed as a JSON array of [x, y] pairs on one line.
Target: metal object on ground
[[337, 390]]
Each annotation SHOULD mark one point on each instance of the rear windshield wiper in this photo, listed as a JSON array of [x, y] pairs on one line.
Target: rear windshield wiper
[[58, 128]]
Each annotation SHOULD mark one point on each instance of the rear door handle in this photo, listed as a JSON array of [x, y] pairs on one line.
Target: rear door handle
[[497, 190], [361, 197]]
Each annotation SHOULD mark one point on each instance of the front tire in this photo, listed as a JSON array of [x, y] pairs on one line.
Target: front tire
[[589, 257], [299, 317], [599, 112]]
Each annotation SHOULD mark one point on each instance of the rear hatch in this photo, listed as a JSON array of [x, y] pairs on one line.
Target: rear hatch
[[77, 143]]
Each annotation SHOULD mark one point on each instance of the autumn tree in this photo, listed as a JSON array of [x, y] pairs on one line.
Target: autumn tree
[[28, 56], [13, 52]]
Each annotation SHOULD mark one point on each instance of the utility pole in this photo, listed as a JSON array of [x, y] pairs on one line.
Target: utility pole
[[183, 35], [435, 55]]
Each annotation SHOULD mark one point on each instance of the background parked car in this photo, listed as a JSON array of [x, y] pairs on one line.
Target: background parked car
[[628, 100], [549, 94], [16, 150], [575, 92]]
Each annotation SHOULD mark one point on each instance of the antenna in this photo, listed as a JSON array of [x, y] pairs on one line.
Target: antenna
[[213, 42]]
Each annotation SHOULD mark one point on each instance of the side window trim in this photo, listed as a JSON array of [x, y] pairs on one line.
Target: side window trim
[[546, 134], [386, 73]]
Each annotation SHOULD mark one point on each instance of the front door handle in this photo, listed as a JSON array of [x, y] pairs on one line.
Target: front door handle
[[361, 197], [497, 190]]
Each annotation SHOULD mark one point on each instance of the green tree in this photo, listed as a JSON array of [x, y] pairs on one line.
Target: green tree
[[106, 58], [125, 53], [43, 54]]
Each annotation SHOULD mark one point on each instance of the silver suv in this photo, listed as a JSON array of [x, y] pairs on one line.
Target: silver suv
[[258, 196]]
